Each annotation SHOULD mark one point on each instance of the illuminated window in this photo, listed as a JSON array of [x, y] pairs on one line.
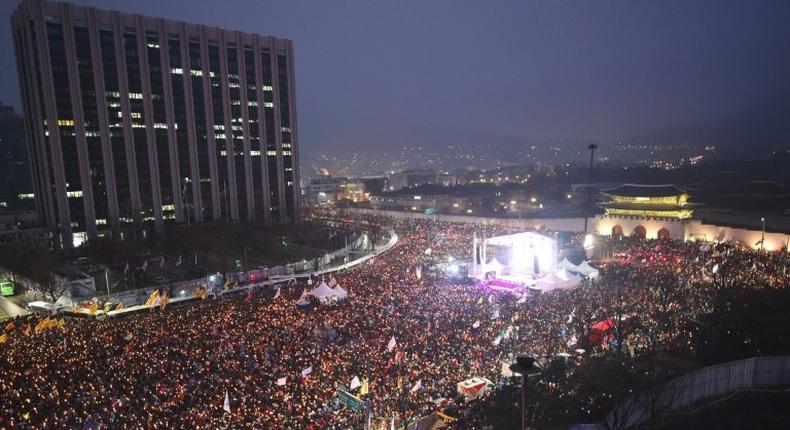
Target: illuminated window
[[101, 221], [196, 72], [136, 96], [267, 88], [268, 104], [25, 196], [74, 194], [255, 153], [151, 45], [271, 153], [66, 122]]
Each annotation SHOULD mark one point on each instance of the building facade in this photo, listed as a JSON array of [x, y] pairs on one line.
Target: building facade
[[16, 193], [134, 122], [646, 211]]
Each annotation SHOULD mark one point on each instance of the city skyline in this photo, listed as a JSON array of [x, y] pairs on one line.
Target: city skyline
[[532, 70]]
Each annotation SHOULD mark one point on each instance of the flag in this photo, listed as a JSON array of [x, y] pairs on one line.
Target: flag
[[715, 268], [391, 344], [476, 324], [306, 371], [355, 383], [126, 268], [505, 370], [522, 299], [163, 301], [119, 306], [94, 308], [178, 263], [3, 338], [416, 386], [9, 326], [144, 266], [227, 284], [490, 298], [277, 294], [365, 388], [226, 403], [758, 243], [281, 381], [153, 299], [480, 302], [497, 340], [495, 315], [28, 330]]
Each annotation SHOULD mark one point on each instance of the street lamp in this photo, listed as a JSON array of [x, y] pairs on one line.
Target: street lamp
[[525, 366], [762, 239], [592, 147]]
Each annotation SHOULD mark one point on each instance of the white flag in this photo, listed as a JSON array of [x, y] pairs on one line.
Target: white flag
[[355, 383], [496, 314], [226, 404], [178, 263], [391, 344], [476, 324], [715, 268], [306, 371], [505, 371], [523, 299], [497, 340], [145, 265], [277, 294], [416, 386], [570, 316], [281, 381], [480, 302], [126, 269], [490, 298]]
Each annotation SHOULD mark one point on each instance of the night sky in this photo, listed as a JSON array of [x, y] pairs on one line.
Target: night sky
[[368, 70]]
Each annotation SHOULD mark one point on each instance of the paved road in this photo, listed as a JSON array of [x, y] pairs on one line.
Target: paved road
[[11, 309]]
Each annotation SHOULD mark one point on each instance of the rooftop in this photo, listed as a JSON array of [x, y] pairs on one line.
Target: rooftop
[[640, 190]]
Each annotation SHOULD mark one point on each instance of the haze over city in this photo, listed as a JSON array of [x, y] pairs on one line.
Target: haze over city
[[380, 76]]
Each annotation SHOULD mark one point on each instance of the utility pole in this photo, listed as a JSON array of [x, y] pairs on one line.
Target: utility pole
[[592, 147]]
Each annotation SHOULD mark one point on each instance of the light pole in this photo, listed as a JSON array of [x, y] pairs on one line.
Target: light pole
[[592, 147], [525, 366], [107, 281], [762, 239]]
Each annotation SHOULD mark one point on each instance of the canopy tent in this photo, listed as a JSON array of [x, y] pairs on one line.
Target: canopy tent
[[495, 266], [474, 388], [567, 265], [550, 282], [323, 292], [340, 292], [303, 299], [602, 332], [587, 270], [570, 279]]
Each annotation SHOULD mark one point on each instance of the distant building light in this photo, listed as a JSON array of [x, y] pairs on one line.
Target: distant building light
[[533, 199], [417, 197]]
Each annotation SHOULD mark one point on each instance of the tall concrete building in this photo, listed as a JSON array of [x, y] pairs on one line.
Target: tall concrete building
[[134, 122]]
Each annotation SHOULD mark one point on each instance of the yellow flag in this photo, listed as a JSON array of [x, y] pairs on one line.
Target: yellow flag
[[9, 326], [119, 306], [3, 338], [152, 298], [94, 308], [364, 389], [62, 324], [28, 329]]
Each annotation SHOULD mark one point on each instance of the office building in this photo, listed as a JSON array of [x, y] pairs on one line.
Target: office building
[[133, 122]]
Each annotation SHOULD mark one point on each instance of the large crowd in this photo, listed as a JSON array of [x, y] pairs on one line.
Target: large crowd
[[280, 365]]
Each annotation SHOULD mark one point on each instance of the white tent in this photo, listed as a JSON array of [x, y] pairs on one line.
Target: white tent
[[567, 265], [550, 282], [587, 270], [323, 292], [495, 266], [340, 292]]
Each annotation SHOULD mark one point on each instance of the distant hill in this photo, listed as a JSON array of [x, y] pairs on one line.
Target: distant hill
[[758, 129]]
